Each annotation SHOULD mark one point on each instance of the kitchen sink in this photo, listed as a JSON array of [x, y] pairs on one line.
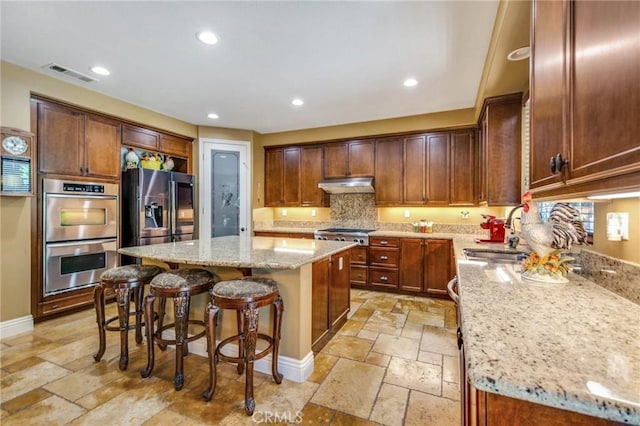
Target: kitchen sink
[[495, 255]]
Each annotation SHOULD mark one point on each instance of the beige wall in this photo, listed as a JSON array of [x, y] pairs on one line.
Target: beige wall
[[627, 250]]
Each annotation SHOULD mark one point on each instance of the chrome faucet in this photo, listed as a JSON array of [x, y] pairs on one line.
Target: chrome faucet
[[507, 223]]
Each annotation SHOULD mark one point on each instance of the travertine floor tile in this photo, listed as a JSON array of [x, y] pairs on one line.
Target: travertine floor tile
[[286, 398], [426, 318], [23, 351], [314, 414], [322, 364], [351, 328], [378, 359], [390, 405], [380, 303], [51, 411], [348, 347], [451, 390], [338, 389], [78, 384], [344, 419], [25, 400], [29, 379], [72, 351], [435, 339], [412, 330], [404, 306], [361, 314], [424, 409], [415, 375], [396, 346], [22, 364], [367, 334], [385, 322], [168, 417], [430, 357], [131, 407], [450, 370]]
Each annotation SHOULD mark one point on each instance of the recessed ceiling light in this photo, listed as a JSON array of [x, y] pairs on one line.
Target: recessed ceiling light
[[410, 82], [297, 102], [519, 54], [213, 116], [100, 70], [207, 37]]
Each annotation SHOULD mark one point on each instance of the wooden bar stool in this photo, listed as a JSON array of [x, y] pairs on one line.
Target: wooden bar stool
[[178, 285], [245, 296], [128, 284]]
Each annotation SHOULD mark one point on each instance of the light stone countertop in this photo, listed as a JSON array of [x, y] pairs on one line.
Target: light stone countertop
[[573, 346], [241, 252]]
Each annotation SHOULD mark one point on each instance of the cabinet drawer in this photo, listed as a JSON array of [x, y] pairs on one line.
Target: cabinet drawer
[[382, 256], [384, 241], [384, 277], [359, 255], [358, 274]]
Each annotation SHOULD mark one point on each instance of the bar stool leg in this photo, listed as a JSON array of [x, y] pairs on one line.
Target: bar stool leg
[[162, 310], [98, 301], [250, 312], [181, 313], [240, 321], [211, 320], [277, 325], [138, 298], [122, 300], [148, 318]]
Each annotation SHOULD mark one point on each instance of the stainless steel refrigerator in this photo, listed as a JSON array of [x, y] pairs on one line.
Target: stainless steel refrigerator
[[157, 207]]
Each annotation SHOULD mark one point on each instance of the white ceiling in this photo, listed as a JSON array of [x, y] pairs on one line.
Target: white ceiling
[[347, 60]]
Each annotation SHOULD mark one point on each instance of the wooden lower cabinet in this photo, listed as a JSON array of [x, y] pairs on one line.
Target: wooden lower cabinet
[[425, 266], [359, 271], [330, 297]]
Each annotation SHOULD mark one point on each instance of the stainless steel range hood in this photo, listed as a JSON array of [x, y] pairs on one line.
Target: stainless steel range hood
[[359, 185]]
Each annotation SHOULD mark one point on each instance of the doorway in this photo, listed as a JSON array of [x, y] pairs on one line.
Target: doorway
[[225, 188]]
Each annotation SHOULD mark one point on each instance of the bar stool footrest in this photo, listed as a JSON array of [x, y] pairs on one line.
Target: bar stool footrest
[[258, 355]]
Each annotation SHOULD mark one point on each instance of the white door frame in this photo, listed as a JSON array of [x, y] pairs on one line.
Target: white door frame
[[244, 147]]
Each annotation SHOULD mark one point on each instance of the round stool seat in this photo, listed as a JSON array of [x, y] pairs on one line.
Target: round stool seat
[[128, 273], [248, 288], [183, 279]]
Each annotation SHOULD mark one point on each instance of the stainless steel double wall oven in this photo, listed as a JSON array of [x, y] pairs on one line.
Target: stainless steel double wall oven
[[80, 233]]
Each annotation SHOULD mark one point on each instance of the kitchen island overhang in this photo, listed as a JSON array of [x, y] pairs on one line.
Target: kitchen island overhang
[[288, 261]]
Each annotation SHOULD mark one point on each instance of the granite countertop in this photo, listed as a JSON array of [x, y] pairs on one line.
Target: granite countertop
[[574, 346], [241, 252]]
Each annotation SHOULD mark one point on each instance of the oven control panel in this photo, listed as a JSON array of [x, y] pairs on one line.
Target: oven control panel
[[83, 187]]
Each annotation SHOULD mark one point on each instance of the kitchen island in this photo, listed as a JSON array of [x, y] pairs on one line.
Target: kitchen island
[[286, 260], [539, 353]]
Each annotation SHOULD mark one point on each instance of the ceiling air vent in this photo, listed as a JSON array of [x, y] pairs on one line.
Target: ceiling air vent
[[69, 72]]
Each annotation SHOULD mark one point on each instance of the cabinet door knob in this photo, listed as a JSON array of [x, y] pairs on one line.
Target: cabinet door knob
[[556, 163]]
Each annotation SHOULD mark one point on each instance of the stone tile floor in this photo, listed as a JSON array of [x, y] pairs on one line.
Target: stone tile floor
[[394, 362]]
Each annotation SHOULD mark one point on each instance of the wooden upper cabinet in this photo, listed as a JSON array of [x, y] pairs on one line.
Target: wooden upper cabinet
[[585, 99], [140, 138], [388, 176], [349, 159], [463, 168], [426, 169], [548, 78], [174, 145], [102, 147], [77, 144], [501, 129], [282, 177], [311, 167]]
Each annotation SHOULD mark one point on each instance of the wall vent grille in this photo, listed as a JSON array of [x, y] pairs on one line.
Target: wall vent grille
[[69, 72]]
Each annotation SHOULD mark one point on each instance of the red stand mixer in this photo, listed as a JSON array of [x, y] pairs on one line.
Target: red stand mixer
[[495, 227]]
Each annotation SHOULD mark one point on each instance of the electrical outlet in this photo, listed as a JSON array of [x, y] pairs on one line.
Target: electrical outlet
[[407, 213], [284, 212], [313, 212]]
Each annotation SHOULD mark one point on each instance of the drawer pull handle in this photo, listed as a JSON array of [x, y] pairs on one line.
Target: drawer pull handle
[[384, 242], [384, 257], [360, 276], [384, 278]]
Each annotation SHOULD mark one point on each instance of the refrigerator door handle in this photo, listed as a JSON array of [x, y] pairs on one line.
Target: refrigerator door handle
[[173, 208]]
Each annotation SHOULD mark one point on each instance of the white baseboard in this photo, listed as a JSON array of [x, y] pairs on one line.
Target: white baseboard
[[296, 370], [16, 326]]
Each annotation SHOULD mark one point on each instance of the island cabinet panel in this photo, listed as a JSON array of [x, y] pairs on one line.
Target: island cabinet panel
[[426, 169], [76, 143], [311, 169], [349, 159], [463, 168], [330, 298], [584, 132], [388, 175], [500, 148]]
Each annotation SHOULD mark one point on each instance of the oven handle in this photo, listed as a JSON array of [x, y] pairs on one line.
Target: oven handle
[[81, 242], [81, 195]]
